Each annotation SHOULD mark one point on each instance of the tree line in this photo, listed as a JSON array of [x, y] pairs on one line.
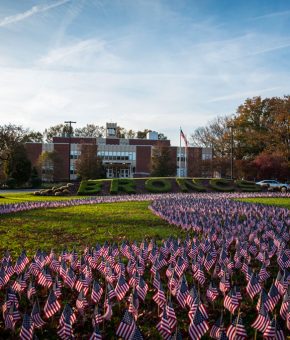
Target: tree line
[[259, 134]]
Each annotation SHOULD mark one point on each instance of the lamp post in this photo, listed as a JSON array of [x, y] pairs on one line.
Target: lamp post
[[69, 144]]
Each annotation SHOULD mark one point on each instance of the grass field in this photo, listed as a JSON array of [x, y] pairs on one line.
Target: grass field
[[279, 202], [18, 197], [87, 224], [81, 225]]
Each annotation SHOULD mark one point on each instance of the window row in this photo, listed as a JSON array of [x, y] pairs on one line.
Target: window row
[[117, 155]]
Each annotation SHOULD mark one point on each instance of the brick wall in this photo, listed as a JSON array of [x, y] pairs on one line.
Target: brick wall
[[143, 159], [61, 168], [148, 142], [74, 140]]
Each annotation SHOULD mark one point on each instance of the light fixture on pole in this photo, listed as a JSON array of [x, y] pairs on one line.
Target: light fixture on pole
[[69, 144]]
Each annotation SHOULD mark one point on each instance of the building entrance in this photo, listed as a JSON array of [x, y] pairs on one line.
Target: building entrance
[[118, 170]]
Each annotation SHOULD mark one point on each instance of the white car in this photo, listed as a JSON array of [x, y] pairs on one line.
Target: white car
[[274, 185]]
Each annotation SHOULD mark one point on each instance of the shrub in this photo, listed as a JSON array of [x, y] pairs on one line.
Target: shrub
[[221, 184], [11, 183], [247, 186], [187, 184], [158, 185], [36, 182], [90, 187], [123, 185]]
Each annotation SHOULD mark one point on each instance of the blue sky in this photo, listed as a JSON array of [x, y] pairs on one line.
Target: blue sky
[[141, 63]]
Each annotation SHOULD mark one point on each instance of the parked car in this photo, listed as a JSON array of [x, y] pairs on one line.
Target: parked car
[[274, 185]]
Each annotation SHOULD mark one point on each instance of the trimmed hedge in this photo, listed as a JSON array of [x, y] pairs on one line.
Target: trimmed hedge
[[220, 184], [90, 187], [187, 184], [247, 186], [158, 185], [123, 185]]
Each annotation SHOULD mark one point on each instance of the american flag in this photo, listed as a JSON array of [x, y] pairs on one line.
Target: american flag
[[159, 297], [263, 320], [198, 326], [65, 326], [137, 334], [27, 329], [134, 303], [273, 298], [253, 286], [35, 315], [96, 334], [142, 288], [212, 292], [171, 316], [285, 306], [182, 292], [231, 301], [127, 326], [70, 278], [121, 288], [81, 302], [31, 290], [98, 318], [184, 138], [97, 292], [108, 309], [163, 326], [51, 306], [274, 331], [236, 330], [217, 328]]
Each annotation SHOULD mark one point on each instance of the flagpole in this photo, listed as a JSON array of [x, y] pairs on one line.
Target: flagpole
[[185, 159], [179, 152]]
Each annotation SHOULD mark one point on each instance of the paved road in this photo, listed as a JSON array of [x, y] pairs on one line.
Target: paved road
[[3, 191]]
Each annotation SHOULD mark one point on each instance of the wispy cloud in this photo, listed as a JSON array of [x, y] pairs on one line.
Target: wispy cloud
[[34, 10], [271, 15], [63, 53], [243, 95]]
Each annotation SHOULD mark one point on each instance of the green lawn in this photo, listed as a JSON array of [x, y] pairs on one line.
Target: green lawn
[[81, 225], [279, 202], [18, 197]]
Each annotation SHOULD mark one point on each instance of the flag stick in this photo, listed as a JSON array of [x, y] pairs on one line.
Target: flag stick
[[180, 152]]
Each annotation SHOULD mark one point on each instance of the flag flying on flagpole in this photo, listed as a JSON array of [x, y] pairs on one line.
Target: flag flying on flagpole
[[183, 137]]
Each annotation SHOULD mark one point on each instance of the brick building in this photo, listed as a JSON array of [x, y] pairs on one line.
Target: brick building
[[121, 157]]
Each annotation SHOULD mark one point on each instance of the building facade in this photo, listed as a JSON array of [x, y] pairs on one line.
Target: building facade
[[122, 158]]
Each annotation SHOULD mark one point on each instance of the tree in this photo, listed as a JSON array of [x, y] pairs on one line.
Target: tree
[[47, 163], [18, 166], [271, 165], [263, 125], [89, 165], [161, 136], [162, 164], [124, 133], [143, 134], [12, 139], [259, 126], [57, 130], [13, 135], [90, 130]]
